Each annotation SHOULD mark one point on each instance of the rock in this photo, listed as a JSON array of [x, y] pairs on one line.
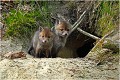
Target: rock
[[12, 55]]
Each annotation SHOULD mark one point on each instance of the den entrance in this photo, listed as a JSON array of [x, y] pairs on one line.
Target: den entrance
[[78, 45]]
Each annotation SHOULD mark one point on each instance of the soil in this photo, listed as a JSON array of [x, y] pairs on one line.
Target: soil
[[54, 68]]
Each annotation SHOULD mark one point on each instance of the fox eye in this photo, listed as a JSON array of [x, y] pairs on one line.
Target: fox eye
[[48, 36], [61, 29], [67, 29]]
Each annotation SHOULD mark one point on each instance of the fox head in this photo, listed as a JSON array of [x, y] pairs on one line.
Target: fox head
[[62, 29], [45, 35]]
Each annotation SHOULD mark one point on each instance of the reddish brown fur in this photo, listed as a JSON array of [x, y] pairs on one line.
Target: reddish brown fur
[[46, 32], [62, 25]]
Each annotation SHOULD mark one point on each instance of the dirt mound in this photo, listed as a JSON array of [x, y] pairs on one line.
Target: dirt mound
[[56, 68]]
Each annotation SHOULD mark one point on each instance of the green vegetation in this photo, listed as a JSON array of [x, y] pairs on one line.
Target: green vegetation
[[108, 17], [22, 21]]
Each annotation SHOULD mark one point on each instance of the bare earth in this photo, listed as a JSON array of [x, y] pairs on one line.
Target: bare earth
[[55, 68]]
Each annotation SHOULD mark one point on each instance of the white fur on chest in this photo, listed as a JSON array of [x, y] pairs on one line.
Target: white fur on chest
[[59, 42]]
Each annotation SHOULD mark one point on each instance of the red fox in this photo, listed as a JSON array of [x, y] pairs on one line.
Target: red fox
[[61, 31], [42, 42]]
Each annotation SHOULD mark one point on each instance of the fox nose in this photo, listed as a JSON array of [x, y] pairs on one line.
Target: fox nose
[[44, 41], [66, 34]]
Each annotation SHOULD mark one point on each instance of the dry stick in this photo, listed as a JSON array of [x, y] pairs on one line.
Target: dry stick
[[78, 22], [80, 30], [101, 40], [88, 34], [83, 14], [99, 43]]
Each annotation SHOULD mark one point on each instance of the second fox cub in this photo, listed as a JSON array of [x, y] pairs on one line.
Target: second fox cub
[[61, 29], [42, 42]]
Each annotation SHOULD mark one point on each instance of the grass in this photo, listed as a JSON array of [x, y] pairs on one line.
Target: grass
[[21, 22], [108, 16]]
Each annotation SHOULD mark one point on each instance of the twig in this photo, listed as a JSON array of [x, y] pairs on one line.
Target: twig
[[76, 24], [101, 40], [82, 16], [78, 21], [88, 34]]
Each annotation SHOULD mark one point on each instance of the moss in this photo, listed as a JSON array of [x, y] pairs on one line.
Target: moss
[[110, 45]]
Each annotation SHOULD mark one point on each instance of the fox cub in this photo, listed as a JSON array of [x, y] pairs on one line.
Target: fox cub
[[42, 43], [61, 30]]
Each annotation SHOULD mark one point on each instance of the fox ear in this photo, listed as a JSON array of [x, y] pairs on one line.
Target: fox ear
[[52, 29], [40, 28], [57, 22]]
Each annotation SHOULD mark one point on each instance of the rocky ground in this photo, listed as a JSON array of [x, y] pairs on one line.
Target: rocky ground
[[55, 68]]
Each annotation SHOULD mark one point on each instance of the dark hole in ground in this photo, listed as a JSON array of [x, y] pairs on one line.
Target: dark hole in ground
[[85, 49]]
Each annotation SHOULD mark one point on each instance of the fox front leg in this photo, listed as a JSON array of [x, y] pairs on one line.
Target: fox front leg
[[50, 53], [37, 52], [30, 49], [47, 53]]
